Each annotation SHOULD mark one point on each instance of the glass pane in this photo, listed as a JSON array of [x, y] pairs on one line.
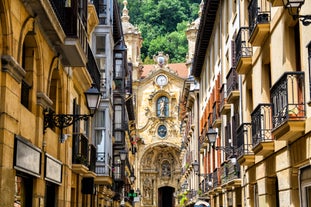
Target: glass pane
[[100, 44]]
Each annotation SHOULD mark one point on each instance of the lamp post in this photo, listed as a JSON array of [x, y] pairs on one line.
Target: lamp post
[[212, 135], [62, 121], [123, 154], [293, 7], [132, 177]]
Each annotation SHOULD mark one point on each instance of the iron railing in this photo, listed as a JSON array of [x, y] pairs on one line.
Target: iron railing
[[261, 124], [92, 68], [243, 47], [288, 98], [232, 81], [80, 149], [244, 147], [258, 13]]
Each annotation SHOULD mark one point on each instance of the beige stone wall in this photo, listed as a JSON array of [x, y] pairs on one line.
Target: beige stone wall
[[15, 119]]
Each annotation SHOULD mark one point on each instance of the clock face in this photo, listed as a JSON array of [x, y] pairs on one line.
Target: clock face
[[161, 80]]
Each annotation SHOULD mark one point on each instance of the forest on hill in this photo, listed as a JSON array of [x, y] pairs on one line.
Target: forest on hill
[[163, 24]]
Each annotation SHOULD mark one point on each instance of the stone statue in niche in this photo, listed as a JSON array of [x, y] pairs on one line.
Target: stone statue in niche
[[147, 191], [166, 169]]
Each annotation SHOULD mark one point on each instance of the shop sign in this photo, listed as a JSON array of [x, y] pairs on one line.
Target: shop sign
[[27, 157], [53, 169]]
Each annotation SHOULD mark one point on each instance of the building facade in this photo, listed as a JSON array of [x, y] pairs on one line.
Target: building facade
[[252, 60], [55, 149]]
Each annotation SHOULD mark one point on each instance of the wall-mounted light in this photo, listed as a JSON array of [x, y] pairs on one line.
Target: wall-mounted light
[[185, 185], [196, 168], [123, 154], [293, 7], [132, 177], [62, 121], [212, 135]]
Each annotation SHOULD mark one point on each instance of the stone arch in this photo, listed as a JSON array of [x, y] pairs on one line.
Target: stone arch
[[6, 34], [153, 146], [152, 175]]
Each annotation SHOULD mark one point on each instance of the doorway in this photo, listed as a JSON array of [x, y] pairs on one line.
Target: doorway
[[166, 198]]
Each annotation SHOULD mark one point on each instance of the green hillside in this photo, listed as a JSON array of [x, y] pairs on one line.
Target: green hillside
[[163, 24]]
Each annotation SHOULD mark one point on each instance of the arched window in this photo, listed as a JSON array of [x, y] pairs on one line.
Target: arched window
[[162, 106], [29, 56]]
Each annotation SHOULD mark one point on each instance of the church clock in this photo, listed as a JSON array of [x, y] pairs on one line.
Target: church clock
[[161, 80]]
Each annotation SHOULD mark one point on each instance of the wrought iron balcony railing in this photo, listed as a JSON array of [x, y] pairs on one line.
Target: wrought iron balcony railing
[[288, 98], [92, 166], [244, 149], [232, 81], [102, 166], [101, 9], [258, 13], [244, 146], [80, 149], [229, 172], [215, 178], [243, 47], [262, 124], [93, 68]]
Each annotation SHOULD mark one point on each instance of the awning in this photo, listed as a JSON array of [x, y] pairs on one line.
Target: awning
[[201, 203]]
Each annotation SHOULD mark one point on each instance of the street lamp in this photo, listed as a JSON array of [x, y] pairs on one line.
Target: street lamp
[[196, 168], [293, 7], [211, 136], [185, 185], [132, 177], [62, 121], [123, 154]]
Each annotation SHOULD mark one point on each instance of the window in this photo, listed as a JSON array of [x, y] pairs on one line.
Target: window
[[100, 45], [162, 107], [29, 65], [305, 191], [118, 117]]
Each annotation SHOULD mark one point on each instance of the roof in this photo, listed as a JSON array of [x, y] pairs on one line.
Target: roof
[[180, 68]]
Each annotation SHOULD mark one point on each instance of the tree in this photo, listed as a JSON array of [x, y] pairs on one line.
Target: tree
[[163, 25]]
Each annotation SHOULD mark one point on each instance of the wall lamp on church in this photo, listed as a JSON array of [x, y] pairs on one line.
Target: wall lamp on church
[[293, 7], [62, 121]]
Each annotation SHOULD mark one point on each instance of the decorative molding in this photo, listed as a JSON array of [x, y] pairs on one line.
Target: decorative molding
[[11, 66]]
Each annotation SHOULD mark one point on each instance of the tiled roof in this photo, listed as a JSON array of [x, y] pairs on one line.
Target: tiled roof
[[180, 68]]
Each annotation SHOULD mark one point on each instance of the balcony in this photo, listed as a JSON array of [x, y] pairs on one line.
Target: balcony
[[216, 115], [215, 183], [230, 175], [288, 107], [65, 27], [203, 142], [225, 107], [233, 91], [263, 143], [244, 51], [80, 149], [245, 155], [259, 16], [101, 9], [92, 163], [93, 68]]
